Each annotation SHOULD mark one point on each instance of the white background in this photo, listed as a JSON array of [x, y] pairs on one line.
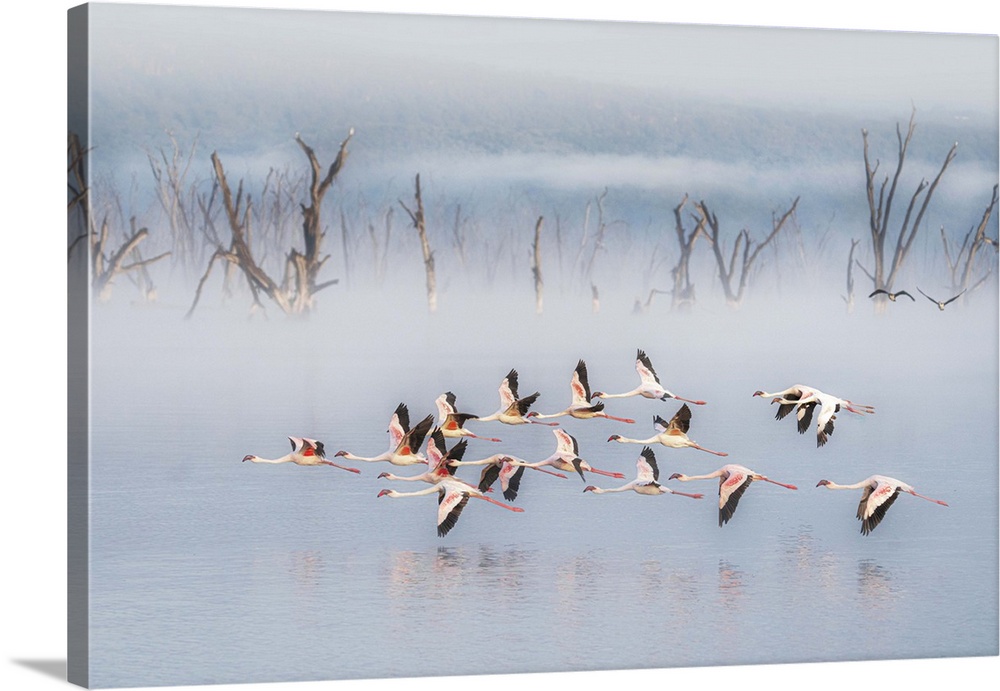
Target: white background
[[33, 379]]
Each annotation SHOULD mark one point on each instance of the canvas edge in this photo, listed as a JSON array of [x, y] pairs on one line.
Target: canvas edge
[[78, 376]]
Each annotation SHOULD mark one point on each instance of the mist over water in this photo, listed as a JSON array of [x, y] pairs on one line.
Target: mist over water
[[209, 569]]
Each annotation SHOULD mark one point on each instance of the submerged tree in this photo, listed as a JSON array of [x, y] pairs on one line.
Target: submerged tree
[[969, 267], [682, 294], [880, 206], [745, 249], [417, 217], [296, 291], [107, 262], [536, 265]]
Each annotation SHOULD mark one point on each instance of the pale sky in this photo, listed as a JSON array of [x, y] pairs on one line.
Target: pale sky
[[826, 68]]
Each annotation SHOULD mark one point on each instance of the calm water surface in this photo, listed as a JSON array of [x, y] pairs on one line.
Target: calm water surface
[[206, 569]]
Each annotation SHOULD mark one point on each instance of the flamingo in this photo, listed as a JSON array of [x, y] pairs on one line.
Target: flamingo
[[645, 481], [672, 434], [892, 296], [567, 457], [438, 457], [580, 407], [512, 409], [304, 452], [452, 422], [404, 442], [878, 495], [733, 482], [453, 495], [829, 405], [793, 393], [940, 304], [508, 469], [649, 384]]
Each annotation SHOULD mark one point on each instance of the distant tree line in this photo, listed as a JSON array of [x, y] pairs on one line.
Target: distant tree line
[[271, 243]]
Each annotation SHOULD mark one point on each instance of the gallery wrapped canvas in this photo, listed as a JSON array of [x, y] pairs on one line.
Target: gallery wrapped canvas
[[409, 345]]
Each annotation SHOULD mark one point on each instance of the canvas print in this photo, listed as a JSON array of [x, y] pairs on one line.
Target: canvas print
[[568, 345]]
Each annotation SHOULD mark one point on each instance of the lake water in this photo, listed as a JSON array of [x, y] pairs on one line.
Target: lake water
[[205, 569]]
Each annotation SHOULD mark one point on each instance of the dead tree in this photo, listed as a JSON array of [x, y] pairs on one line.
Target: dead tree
[[682, 294], [294, 294], [536, 266], [417, 217], [106, 264], [849, 298], [744, 249], [967, 260], [170, 173], [880, 202]]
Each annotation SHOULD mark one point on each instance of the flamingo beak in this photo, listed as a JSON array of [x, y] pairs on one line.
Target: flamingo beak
[[340, 453], [822, 483], [675, 476], [384, 492], [248, 457], [589, 488]]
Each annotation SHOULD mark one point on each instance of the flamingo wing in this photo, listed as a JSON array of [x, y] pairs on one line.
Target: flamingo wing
[[681, 420], [444, 408], [488, 476], [577, 464], [785, 408], [805, 416], [645, 368], [508, 389], [399, 424], [523, 404], [731, 488], [510, 480], [566, 444], [456, 421], [875, 501], [579, 386], [648, 472], [451, 502], [413, 438]]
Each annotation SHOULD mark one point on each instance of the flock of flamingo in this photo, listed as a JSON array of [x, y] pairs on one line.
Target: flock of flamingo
[[878, 491]]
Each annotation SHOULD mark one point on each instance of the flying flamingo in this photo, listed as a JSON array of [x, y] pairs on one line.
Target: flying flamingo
[[645, 481], [672, 434], [512, 409], [940, 304], [829, 405], [438, 458], [733, 482], [567, 457], [792, 394], [508, 469], [304, 452], [404, 443], [649, 384], [581, 408], [892, 296], [452, 422], [453, 495], [878, 495]]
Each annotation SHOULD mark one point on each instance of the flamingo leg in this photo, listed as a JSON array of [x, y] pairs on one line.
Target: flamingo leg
[[474, 436], [539, 422], [607, 473], [775, 482], [619, 419], [342, 467], [702, 448], [688, 400], [685, 494], [936, 501], [516, 509], [547, 472]]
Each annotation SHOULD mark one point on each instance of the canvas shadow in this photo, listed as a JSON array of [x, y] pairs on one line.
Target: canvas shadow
[[50, 667]]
